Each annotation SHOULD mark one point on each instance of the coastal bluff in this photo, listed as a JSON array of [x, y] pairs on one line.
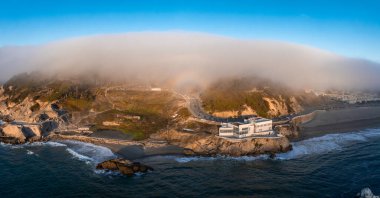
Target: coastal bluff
[[209, 144], [17, 134]]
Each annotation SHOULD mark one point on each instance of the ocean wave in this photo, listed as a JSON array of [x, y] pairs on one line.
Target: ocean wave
[[29, 152], [79, 156], [34, 144], [327, 143], [88, 152], [110, 174], [52, 144], [83, 151]]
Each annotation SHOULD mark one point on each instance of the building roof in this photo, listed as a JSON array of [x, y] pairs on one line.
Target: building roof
[[237, 123], [262, 120]]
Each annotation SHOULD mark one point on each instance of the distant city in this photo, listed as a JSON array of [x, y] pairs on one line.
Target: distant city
[[351, 97]]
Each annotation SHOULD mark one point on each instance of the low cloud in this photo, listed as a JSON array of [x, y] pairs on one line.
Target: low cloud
[[181, 57]]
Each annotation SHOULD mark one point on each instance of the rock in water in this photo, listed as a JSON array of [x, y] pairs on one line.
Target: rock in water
[[124, 166], [366, 193]]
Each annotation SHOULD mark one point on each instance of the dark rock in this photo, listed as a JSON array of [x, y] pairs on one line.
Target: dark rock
[[6, 118], [55, 107], [124, 166], [126, 170], [10, 140], [272, 155], [28, 133], [43, 117], [143, 168], [48, 127]]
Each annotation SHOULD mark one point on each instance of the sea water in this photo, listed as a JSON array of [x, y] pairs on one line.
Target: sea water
[[333, 165]]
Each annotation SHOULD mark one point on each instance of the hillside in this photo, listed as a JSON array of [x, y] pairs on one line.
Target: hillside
[[246, 96], [74, 103], [134, 108]]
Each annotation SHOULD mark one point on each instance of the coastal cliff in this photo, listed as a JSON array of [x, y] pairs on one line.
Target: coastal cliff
[[33, 109], [208, 144]]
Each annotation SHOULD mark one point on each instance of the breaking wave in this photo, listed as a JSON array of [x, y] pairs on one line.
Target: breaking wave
[[83, 151], [328, 143], [312, 146], [79, 156], [34, 144], [88, 152]]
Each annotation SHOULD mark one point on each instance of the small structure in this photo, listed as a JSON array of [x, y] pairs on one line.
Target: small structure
[[249, 128]]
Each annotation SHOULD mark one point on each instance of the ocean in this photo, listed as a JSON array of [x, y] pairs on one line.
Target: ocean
[[333, 165]]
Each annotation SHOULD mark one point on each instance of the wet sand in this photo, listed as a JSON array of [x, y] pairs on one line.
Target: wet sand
[[134, 152], [342, 120]]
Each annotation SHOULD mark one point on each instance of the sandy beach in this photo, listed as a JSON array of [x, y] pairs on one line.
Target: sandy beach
[[134, 152], [341, 120]]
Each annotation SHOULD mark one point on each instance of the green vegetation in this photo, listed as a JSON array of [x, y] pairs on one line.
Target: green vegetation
[[234, 94], [138, 113], [21, 86], [183, 113], [216, 100], [47, 89], [35, 107], [137, 122], [72, 104]]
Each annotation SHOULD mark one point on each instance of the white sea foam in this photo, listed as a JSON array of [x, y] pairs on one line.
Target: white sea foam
[[34, 144], [79, 156], [88, 152], [328, 143], [29, 152], [52, 144]]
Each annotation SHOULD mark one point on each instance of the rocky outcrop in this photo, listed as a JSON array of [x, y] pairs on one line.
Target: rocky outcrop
[[13, 134], [287, 130], [32, 132], [281, 106], [206, 144], [48, 127], [366, 193], [225, 114], [124, 166], [19, 134]]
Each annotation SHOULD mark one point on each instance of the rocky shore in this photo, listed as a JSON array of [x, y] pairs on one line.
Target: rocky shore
[[209, 145], [123, 166]]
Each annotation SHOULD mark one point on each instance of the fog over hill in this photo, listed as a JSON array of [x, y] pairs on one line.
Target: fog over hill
[[182, 57]]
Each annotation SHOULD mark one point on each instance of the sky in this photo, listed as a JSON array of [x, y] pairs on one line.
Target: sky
[[349, 28]]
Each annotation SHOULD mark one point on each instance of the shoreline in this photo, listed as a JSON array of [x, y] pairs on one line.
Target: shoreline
[[340, 121], [127, 149], [324, 122]]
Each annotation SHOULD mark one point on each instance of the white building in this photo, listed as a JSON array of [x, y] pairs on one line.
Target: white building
[[249, 128]]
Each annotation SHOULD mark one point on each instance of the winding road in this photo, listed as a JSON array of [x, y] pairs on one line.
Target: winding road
[[194, 105]]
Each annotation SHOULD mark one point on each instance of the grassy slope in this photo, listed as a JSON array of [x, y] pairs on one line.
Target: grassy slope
[[233, 94], [154, 108]]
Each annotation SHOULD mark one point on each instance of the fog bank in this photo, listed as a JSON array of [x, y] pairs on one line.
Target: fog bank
[[181, 57]]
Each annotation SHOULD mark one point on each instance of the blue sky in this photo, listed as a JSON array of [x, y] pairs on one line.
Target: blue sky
[[350, 28]]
